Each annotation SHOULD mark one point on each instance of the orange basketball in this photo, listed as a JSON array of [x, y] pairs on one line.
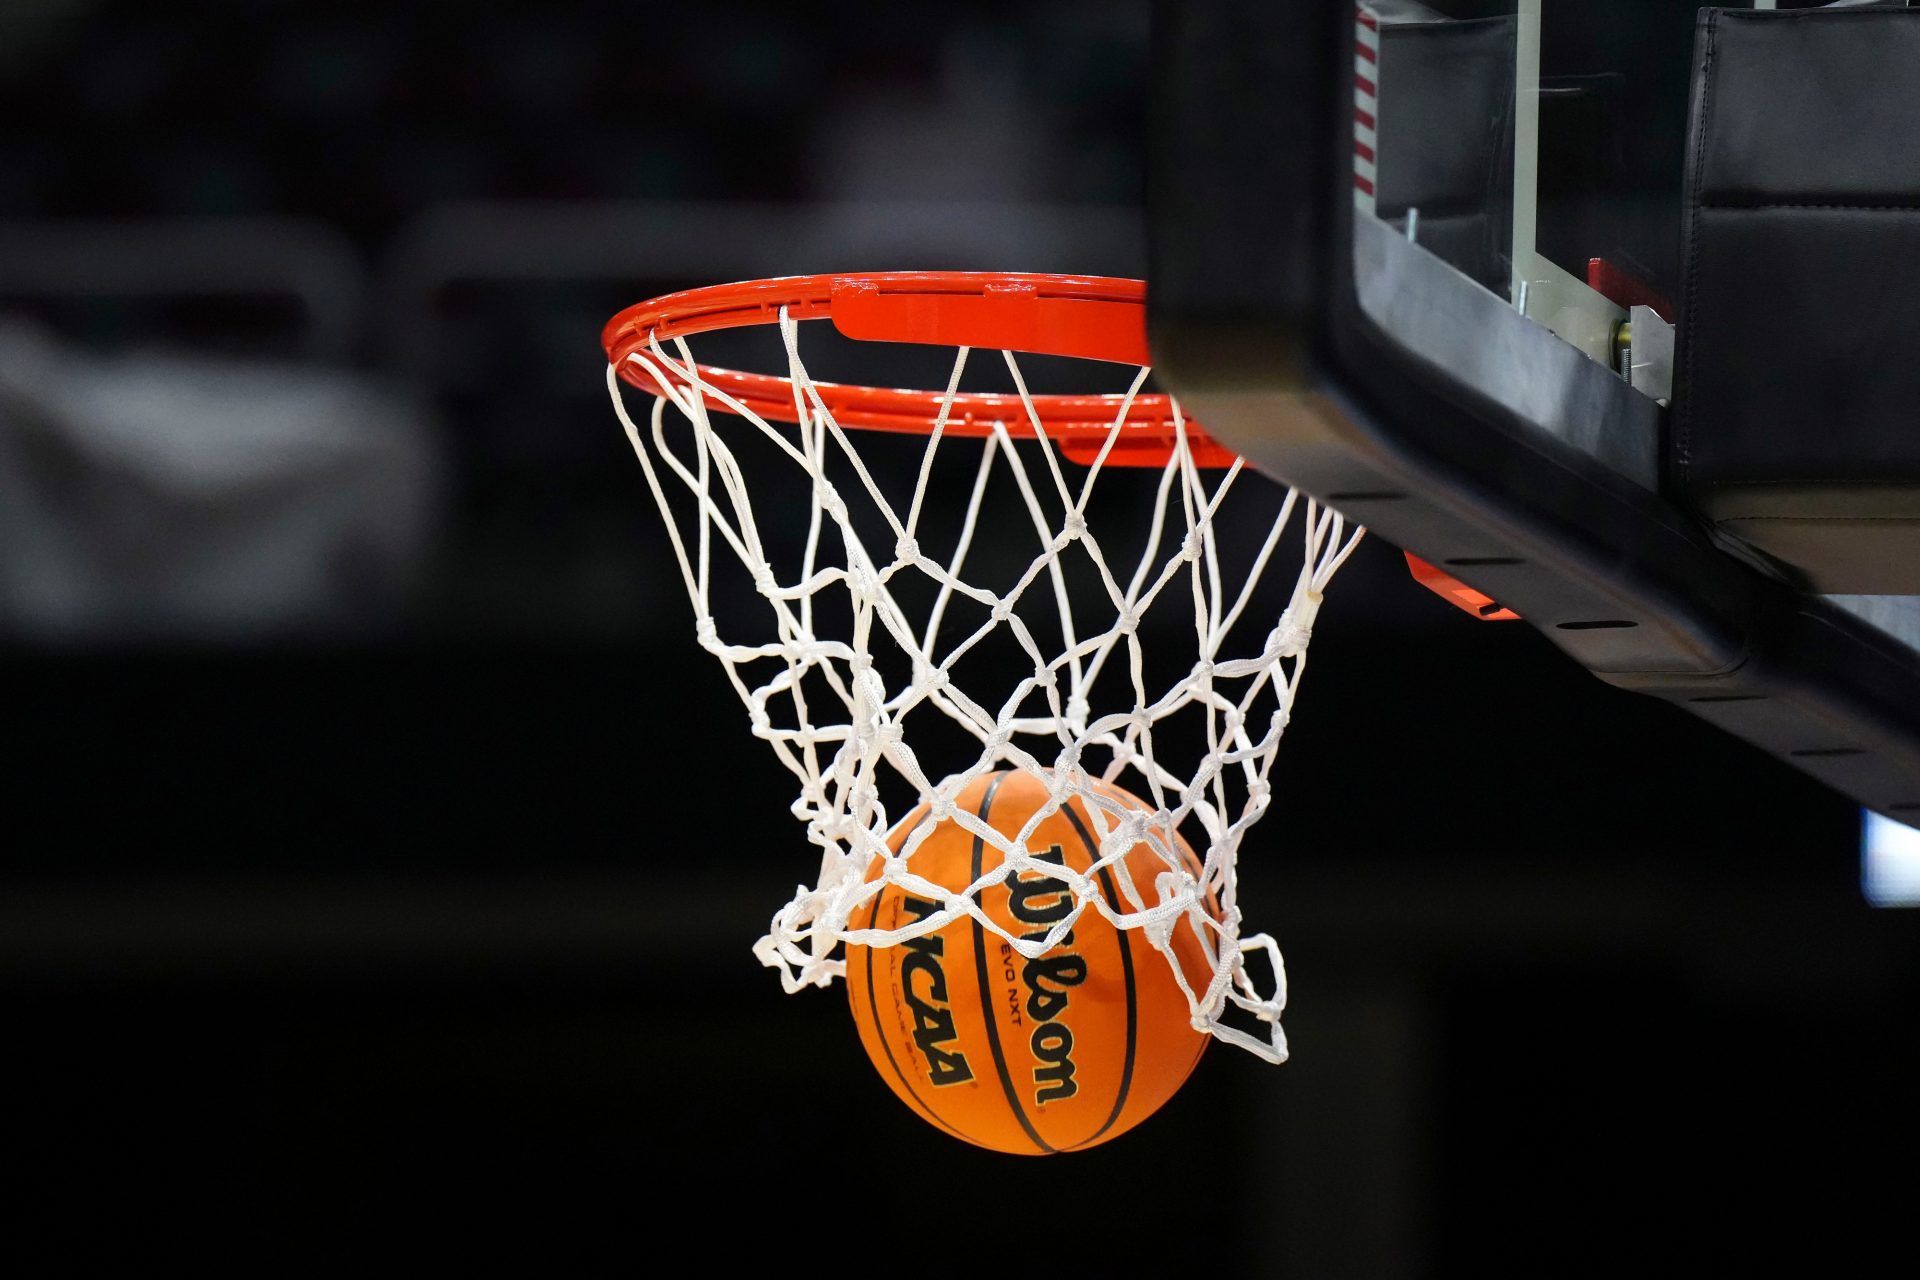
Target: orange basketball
[[1057, 1053]]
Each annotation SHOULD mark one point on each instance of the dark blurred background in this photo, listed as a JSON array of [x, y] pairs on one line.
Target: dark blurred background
[[382, 860]]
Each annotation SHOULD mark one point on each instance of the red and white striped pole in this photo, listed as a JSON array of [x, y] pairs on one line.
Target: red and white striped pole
[[1366, 101]]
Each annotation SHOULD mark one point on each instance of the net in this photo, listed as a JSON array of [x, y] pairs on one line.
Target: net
[[901, 614]]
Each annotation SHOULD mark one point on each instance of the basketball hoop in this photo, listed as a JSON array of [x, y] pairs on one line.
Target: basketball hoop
[[853, 657]]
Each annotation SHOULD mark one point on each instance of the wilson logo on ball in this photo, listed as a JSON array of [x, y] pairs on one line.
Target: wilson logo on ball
[[1037, 899]]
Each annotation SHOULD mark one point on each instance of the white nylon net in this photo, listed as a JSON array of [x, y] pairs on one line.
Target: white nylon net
[[852, 637]]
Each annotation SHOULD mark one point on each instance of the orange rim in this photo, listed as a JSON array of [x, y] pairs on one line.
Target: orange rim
[[1088, 317]]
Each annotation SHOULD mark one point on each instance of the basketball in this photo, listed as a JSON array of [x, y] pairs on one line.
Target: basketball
[[1028, 1056]]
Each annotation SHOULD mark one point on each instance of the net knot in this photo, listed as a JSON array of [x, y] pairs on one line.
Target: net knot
[[763, 580], [1131, 829], [1159, 928], [1192, 545], [1290, 635], [906, 551], [1002, 610], [1074, 527], [831, 502], [707, 633]]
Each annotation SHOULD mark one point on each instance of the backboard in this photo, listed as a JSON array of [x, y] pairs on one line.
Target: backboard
[[1430, 263]]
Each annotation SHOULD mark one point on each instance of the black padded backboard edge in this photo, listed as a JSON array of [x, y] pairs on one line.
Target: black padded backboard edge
[[1256, 324]]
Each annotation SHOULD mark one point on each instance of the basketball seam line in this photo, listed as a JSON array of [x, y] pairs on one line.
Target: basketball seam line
[[986, 987], [1126, 967]]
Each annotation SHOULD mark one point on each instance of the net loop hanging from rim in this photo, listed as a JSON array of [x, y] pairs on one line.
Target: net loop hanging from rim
[[841, 664]]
